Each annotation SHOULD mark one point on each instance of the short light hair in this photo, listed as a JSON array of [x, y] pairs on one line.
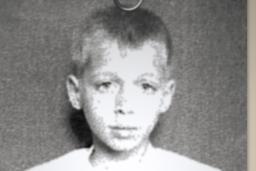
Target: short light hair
[[129, 28]]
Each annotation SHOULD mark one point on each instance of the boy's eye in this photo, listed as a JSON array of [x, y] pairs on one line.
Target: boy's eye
[[103, 86], [148, 88]]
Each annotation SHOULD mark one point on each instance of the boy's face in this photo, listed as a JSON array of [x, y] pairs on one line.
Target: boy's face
[[122, 93]]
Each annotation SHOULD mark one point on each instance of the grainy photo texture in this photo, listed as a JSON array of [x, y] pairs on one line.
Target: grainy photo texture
[[107, 85]]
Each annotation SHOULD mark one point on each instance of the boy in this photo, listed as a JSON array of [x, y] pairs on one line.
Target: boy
[[122, 82]]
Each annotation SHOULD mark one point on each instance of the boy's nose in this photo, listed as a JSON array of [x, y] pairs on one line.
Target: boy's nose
[[123, 102]]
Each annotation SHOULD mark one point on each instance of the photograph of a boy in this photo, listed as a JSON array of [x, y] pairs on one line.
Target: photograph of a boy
[[122, 81]]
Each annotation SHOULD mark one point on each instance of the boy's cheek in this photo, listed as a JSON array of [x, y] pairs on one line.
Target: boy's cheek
[[101, 102], [151, 102]]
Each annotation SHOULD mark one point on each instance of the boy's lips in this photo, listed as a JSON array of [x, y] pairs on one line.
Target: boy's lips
[[124, 132], [122, 127]]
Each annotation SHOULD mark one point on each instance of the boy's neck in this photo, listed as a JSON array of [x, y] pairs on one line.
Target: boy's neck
[[103, 156]]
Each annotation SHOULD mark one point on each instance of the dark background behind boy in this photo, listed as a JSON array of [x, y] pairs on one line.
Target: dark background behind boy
[[207, 120]]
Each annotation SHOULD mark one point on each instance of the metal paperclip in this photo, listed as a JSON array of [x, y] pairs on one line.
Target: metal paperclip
[[127, 7]]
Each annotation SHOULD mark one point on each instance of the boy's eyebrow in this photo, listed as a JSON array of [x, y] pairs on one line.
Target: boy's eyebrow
[[147, 75], [150, 75], [103, 74]]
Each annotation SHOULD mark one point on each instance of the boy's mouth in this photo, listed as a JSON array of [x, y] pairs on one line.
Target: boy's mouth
[[123, 127], [123, 132]]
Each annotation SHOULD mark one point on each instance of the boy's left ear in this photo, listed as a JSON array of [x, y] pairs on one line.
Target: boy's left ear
[[168, 93]]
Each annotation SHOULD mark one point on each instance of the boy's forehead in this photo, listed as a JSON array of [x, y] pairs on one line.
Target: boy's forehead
[[102, 48], [111, 56]]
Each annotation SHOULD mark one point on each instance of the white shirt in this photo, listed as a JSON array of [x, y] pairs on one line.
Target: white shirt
[[155, 159]]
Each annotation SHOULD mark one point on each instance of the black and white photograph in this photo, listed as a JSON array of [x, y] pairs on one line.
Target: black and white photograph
[[95, 85]]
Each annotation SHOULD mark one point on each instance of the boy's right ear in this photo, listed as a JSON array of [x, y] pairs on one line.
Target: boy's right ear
[[73, 90]]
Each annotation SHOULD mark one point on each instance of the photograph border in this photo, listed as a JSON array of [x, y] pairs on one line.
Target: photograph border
[[251, 35]]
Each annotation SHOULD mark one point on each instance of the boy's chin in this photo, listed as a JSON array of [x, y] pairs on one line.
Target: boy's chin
[[124, 145]]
